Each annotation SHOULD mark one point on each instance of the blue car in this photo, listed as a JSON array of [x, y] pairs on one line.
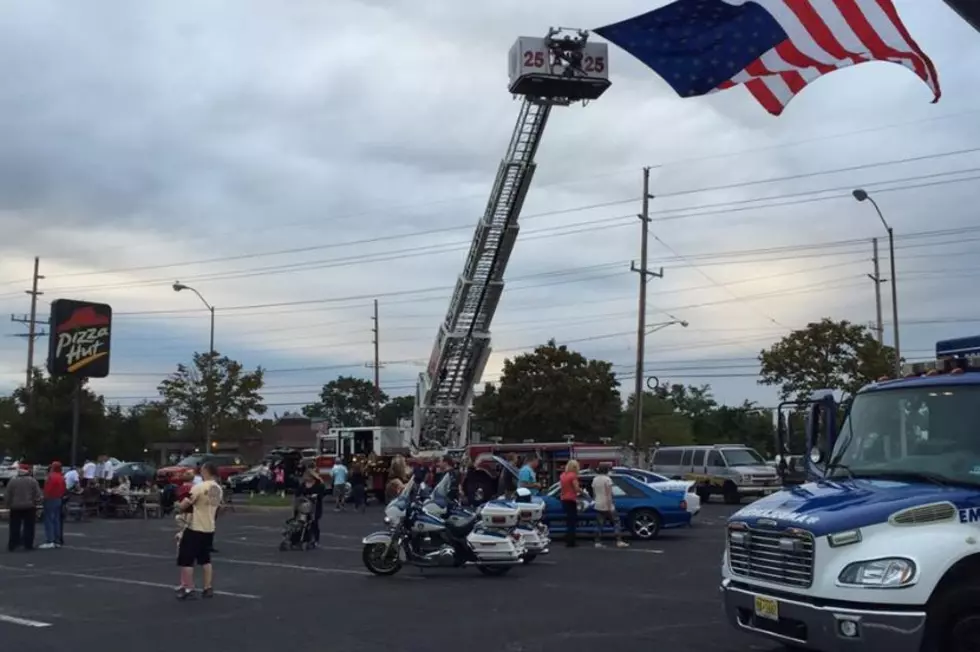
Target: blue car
[[643, 510]]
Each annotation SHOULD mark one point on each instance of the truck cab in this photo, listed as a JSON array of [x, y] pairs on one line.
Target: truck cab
[[881, 546]]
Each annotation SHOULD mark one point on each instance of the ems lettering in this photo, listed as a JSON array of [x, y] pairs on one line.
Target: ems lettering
[[779, 515], [81, 344], [971, 515]]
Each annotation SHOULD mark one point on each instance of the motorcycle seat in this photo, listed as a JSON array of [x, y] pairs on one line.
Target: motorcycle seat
[[461, 527]]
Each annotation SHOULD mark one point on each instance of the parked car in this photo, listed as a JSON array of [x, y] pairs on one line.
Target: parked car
[[137, 472], [248, 480], [662, 483], [732, 471], [228, 465], [643, 510]]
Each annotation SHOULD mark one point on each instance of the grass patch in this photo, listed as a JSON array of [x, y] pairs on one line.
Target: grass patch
[[269, 500]]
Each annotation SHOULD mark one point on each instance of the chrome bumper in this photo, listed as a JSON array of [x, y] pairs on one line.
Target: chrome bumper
[[819, 628]]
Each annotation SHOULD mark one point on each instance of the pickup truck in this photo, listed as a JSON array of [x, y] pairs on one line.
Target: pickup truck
[[228, 465]]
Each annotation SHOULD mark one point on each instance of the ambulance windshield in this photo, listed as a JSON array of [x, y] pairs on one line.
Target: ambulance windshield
[[931, 432]]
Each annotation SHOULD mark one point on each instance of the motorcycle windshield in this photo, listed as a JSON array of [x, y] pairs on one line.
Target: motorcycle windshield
[[508, 467], [441, 490]]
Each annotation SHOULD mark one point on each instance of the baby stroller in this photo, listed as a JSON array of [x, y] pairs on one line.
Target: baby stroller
[[297, 534]]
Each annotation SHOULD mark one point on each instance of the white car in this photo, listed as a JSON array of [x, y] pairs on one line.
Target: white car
[[662, 483]]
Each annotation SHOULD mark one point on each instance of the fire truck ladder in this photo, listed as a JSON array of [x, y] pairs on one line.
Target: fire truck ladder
[[462, 348]]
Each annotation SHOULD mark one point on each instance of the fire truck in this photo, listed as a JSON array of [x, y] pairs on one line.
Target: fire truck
[[371, 447], [483, 476]]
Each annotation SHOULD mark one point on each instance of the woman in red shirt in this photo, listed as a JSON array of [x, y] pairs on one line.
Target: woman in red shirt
[[54, 494], [570, 491]]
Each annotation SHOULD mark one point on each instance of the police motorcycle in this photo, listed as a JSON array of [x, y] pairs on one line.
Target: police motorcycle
[[483, 539], [532, 532]]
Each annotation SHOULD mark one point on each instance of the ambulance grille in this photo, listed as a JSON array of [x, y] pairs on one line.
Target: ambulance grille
[[782, 557], [924, 514]]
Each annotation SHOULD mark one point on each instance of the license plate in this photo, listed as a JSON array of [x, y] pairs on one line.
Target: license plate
[[766, 608]]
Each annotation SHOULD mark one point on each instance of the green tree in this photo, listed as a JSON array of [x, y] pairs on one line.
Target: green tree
[[346, 402], [399, 407], [235, 396], [47, 436], [827, 354], [662, 422], [550, 393], [10, 422], [129, 433]]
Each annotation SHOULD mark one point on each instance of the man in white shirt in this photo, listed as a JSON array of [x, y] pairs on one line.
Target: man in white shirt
[[107, 471], [605, 508], [88, 473], [71, 479], [197, 541]]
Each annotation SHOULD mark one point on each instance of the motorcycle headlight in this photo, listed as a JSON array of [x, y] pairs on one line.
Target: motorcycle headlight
[[889, 573], [387, 521]]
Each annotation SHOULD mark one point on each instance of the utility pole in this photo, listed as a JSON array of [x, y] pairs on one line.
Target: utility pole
[[880, 326], [645, 275], [377, 366], [31, 335]]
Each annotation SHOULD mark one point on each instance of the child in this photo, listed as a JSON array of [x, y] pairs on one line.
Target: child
[[183, 518]]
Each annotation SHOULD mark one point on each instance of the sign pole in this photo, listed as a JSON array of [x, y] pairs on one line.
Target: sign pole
[[76, 417]]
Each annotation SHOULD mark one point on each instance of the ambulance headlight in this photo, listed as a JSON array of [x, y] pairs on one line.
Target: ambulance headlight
[[889, 573]]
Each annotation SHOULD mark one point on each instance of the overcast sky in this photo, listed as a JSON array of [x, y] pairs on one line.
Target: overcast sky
[[319, 155]]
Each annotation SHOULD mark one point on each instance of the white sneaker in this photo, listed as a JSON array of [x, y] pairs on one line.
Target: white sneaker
[[46, 546], [599, 545]]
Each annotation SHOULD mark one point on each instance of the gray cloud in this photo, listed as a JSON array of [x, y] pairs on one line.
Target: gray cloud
[[152, 133]]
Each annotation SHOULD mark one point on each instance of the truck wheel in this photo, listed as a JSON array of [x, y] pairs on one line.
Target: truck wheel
[[731, 494], [953, 620], [704, 493]]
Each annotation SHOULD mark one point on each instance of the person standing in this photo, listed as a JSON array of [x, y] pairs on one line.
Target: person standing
[[339, 484], [358, 487], [54, 496], [198, 538], [22, 496], [605, 507], [527, 478], [570, 491], [88, 474]]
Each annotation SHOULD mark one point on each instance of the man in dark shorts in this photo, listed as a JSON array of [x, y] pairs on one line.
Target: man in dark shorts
[[197, 540]]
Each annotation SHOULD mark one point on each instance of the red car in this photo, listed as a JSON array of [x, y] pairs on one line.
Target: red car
[[228, 465]]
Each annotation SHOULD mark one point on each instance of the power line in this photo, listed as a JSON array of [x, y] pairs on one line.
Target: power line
[[836, 245], [565, 181], [300, 266]]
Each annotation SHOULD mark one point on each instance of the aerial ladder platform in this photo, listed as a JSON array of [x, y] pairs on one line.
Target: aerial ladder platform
[[558, 70]]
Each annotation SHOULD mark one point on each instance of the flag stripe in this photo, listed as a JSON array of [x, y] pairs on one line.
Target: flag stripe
[[824, 37]]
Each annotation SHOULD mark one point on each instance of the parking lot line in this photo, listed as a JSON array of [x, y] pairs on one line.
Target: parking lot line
[[225, 560], [123, 580], [14, 620]]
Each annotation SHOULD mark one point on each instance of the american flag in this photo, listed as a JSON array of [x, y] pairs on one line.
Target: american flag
[[772, 47]]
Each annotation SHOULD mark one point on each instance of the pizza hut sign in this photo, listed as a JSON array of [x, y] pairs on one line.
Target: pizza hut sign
[[79, 343]]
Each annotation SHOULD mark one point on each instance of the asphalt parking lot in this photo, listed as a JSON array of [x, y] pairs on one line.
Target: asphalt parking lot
[[113, 584]]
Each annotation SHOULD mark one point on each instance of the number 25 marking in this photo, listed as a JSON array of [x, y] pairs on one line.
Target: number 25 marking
[[534, 59], [594, 64]]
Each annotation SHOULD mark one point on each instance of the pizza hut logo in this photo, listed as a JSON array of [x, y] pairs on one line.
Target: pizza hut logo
[[80, 339]]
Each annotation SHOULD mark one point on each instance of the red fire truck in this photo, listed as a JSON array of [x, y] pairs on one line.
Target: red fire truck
[[553, 457], [372, 447]]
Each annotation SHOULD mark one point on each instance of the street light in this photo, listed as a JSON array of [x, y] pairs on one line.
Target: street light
[[638, 394], [861, 196], [209, 415]]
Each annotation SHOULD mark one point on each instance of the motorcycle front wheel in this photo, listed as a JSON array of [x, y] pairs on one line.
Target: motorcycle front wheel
[[381, 560]]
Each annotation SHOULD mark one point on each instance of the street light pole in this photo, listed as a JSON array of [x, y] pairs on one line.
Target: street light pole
[[209, 410], [861, 196]]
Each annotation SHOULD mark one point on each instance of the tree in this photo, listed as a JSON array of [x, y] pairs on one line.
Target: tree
[[551, 393], [662, 422], [399, 407], [129, 433], [10, 421], [825, 355], [47, 436], [346, 402], [235, 396]]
